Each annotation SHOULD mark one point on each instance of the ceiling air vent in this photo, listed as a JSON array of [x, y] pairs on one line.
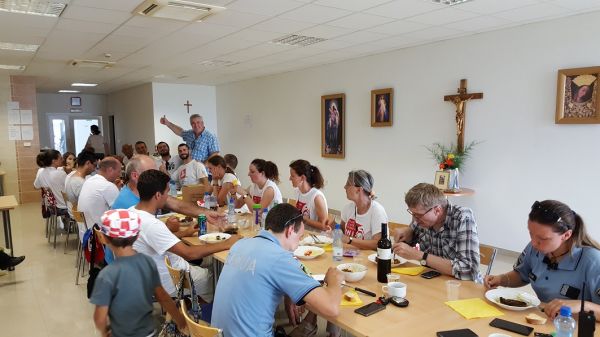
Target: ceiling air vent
[[176, 9], [297, 40], [450, 2], [91, 64]]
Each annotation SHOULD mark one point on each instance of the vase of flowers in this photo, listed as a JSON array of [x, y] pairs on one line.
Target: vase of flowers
[[450, 159]]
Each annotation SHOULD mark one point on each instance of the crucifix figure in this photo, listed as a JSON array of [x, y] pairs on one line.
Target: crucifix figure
[[188, 105], [460, 101]]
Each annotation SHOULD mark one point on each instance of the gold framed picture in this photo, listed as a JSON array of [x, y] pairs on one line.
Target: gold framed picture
[[442, 179], [333, 111], [578, 96], [382, 102]]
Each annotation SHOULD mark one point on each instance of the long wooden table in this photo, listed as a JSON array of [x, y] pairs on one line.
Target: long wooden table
[[426, 314]]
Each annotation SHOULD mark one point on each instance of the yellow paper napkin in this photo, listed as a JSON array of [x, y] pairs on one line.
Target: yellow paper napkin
[[346, 303], [328, 248], [474, 308], [408, 270]]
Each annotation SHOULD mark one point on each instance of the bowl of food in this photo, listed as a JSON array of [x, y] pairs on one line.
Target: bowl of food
[[308, 252], [353, 272]]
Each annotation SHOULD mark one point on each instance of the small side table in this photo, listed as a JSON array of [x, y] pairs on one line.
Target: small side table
[[6, 204]]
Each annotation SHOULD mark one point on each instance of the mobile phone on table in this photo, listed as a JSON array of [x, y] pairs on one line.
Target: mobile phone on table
[[511, 326], [430, 274], [541, 334], [456, 333], [370, 309]]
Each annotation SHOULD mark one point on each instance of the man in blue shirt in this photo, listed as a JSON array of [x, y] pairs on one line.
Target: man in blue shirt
[[261, 271], [201, 142]]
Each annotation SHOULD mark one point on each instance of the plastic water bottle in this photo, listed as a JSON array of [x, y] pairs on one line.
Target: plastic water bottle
[[207, 202], [172, 188], [564, 323], [230, 210], [338, 246], [263, 223]]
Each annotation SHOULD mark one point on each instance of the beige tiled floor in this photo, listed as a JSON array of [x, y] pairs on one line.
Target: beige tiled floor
[[40, 297]]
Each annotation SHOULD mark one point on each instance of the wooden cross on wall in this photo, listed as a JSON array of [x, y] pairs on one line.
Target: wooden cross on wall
[[188, 105], [460, 101]]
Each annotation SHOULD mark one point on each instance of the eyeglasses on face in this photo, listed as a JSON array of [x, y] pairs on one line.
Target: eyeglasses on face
[[419, 215]]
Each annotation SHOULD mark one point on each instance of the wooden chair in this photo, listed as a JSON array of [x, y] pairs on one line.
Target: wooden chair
[[79, 263], [333, 214], [394, 225], [52, 221], [487, 254], [176, 275], [70, 221], [200, 329], [292, 201], [193, 193]]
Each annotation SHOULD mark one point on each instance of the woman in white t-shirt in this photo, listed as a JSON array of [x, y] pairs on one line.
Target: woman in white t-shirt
[[264, 191], [224, 180], [307, 182], [363, 216], [96, 141]]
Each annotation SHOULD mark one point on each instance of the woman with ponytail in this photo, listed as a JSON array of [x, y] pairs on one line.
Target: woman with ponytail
[[264, 191], [307, 182], [224, 180], [559, 259]]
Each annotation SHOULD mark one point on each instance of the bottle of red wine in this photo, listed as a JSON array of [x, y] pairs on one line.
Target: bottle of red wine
[[384, 255]]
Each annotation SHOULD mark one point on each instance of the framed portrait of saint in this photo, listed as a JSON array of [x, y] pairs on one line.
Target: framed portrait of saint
[[441, 180], [382, 107], [578, 96], [333, 114]]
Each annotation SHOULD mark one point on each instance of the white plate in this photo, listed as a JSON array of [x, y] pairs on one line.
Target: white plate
[[214, 237], [302, 252], [512, 293], [373, 257], [309, 240]]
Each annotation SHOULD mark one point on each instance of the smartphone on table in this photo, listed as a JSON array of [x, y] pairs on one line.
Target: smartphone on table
[[511, 326], [430, 274], [370, 309]]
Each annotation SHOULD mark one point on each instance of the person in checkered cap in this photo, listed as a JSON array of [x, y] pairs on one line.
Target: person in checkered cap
[[123, 290]]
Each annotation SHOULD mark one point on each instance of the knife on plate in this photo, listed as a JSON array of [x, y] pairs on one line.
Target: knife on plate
[[360, 290]]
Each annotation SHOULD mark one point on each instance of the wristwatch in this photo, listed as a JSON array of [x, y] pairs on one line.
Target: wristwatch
[[424, 259]]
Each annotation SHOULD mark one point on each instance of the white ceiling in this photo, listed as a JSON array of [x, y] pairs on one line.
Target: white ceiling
[[160, 50]]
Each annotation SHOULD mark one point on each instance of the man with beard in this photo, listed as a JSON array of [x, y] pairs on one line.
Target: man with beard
[[166, 163], [191, 172], [141, 148]]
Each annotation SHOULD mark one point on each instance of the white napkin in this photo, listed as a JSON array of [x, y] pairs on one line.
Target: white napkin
[[242, 210]]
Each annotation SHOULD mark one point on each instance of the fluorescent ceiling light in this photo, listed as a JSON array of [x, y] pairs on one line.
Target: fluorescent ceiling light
[[33, 7], [69, 91], [18, 46], [84, 84], [11, 67]]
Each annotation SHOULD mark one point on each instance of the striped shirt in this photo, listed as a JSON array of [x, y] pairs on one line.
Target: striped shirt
[[457, 241], [201, 147]]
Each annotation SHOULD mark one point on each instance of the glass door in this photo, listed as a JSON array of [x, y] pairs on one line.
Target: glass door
[[81, 131]]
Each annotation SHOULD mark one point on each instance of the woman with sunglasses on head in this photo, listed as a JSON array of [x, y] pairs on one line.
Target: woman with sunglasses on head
[[264, 191], [307, 182], [224, 180], [559, 258]]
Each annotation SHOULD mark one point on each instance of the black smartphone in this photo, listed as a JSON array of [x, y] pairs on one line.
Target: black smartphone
[[369, 309], [511, 326], [541, 334], [456, 333], [430, 274]]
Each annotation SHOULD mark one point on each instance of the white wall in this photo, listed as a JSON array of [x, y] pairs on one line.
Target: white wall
[[133, 113], [169, 100], [91, 105], [524, 156], [8, 152]]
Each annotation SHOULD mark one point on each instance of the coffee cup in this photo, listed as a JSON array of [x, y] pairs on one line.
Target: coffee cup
[[395, 289]]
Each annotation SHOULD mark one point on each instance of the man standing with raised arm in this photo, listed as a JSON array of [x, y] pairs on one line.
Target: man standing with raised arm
[[201, 142]]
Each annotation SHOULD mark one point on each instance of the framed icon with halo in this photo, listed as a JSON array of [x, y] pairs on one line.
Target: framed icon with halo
[[578, 96], [442, 179], [333, 114], [382, 102]]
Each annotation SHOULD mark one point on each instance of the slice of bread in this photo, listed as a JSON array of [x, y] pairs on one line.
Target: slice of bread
[[350, 296], [535, 319]]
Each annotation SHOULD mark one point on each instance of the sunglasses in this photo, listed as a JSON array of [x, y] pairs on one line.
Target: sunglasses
[[546, 215], [292, 220]]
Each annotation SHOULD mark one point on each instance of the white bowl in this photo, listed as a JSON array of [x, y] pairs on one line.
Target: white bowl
[[308, 252], [357, 271]]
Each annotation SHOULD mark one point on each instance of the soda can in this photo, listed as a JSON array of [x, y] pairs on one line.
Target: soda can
[[202, 224]]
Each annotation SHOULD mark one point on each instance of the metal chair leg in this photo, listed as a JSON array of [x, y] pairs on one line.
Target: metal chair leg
[[69, 228]]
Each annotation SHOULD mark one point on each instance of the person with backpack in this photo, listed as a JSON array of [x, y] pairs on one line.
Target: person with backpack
[[123, 290]]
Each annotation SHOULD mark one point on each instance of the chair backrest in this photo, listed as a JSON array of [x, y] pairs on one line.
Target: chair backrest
[[176, 275], [193, 193], [333, 213], [200, 329], [78, 216], [292, 202], [395, 225], [49, 199], [487, 254], [100, 236]]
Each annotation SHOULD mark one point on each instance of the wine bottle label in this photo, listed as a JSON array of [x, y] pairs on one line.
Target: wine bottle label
[[384, 254]]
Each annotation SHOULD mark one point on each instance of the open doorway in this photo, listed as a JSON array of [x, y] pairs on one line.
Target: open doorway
[[69, 132]]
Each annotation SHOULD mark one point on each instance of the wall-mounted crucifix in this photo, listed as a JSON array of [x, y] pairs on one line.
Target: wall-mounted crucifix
[[188, 105], [460, 101]]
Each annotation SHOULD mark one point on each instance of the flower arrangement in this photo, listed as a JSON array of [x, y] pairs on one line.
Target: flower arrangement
[[449, 157]]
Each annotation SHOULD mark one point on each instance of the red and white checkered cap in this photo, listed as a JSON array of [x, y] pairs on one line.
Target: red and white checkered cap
[[120, 223]]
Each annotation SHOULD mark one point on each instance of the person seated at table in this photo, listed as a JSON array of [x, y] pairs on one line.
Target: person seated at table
[[559, 258], [231, 161], [51, 178], [129, 195], [224, 180], [191, 172], [7, 261], [166, 162], [446, 234], [264, 191], [86, 164], [363, 216], [141, 148], [127, 151], [307, 182], [261, 271], [157, 241], [68, 162]]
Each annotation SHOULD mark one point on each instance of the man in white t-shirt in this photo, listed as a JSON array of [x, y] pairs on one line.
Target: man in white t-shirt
[[166, 163], [157, 241], [86, 164], [50, 177], [191, 172], [99, 192]]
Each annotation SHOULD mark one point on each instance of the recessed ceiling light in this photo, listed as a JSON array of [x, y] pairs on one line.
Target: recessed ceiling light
[[449, 2], [84, 84], [18, 46], [298, 40], [33, 7], [11, 67], [69, 91]]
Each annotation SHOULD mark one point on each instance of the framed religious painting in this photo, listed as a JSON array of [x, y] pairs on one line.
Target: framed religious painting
[[578, 96], [382, 107], [333, 114], [441, 180]]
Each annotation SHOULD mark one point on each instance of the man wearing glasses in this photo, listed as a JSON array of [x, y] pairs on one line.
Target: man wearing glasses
[[446, 234], [261, 271]]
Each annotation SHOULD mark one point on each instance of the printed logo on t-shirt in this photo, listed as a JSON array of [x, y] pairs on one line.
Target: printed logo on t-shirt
[[256, 199], [182, 174], [301, 206], [354, 229]]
